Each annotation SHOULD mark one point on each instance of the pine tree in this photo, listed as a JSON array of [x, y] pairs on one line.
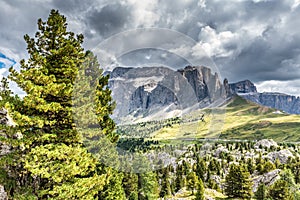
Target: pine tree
[[147, 186], [261, 193], [279, 190], [192, 181], [165, 183], [179, 178], [201, 168], [130, 185], [250, 166], [5, 92], [238, 183], [268, 166], [200, 190], [51, 163]]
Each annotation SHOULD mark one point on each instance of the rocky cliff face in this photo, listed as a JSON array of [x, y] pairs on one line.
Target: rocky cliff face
[[163, 92], [287, 103], [243, 87], [247, 89], [204, 83]]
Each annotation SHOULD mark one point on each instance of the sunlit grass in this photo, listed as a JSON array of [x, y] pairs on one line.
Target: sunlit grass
[[242, 120]]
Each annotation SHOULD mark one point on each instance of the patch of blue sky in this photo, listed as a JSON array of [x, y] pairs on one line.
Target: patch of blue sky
[[4, 61]]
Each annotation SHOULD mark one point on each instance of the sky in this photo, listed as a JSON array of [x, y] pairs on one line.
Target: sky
[[257, 40]]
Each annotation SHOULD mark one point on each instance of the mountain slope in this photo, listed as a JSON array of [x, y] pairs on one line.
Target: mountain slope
[[243, 120]]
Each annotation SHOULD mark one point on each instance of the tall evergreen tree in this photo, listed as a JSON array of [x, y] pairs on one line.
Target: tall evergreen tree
[[130, 185], [238, 183], [261, 193], [279, 190], [147, 186], [179, 183], [51, 162], [201, 168], [200, 190], [192, 181]]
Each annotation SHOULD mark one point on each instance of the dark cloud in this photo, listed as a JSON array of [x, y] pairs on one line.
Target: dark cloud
[[257, 40], [150, 57], [109, 20], [71, 6]]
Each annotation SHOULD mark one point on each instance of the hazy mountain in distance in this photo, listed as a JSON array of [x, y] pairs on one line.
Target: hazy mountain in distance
[[284, 102]]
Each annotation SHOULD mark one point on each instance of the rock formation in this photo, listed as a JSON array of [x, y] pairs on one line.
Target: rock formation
[[284, 102], [142, 92], [243, 87], [267, 179], [265, 143]]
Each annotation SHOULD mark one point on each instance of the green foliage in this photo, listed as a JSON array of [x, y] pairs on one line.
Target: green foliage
[[261, 193], [5, 92], [238, 183], [50, 159], [201, 168], [130, 185], [113, 190], [147, 186], [279, 190], [59, 162], [268, 166], [192, 181], [200, 190], [165, 184], [47, 78]]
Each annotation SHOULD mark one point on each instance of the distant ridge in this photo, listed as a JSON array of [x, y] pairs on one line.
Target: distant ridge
[[280, 101]]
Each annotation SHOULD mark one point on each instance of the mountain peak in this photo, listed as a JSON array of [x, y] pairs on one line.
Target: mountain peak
[[245, 86]]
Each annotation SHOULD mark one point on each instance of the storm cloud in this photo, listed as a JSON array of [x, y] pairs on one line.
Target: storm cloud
[[247, 39]]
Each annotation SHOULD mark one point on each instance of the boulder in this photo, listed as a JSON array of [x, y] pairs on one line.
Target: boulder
[[265, 143], [267, 179], [282, 155], [3, 194]]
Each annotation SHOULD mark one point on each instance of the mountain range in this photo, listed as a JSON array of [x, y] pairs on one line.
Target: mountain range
[[149, 93]]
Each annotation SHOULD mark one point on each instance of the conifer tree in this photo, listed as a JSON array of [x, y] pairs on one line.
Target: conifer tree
[[147, 186], [268, 166], [192, 181], [201, 168], [238, 183], [5, 92], [179, 178], [200, 190], [279, 190], [130, 185], [165, 184], [52, 162], [261, 193]]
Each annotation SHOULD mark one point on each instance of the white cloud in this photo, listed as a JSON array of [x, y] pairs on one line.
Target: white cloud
[[287, 87], [144, 12], [2, 71], [214, 44]]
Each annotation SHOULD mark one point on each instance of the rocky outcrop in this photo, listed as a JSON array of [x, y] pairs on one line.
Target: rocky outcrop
[[160, 91], [160, 96], [6, 121], [3, 194], [245, 86], [204, 83], [282, 155], [265, 143], [284, 102], [267, 179]]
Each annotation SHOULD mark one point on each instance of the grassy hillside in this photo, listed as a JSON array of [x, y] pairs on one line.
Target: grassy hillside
[[238, 119]]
